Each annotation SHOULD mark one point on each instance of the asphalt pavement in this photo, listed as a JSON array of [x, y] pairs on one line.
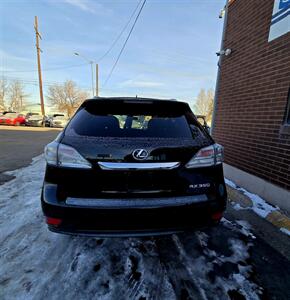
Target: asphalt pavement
[[18, 145], [245, 257]]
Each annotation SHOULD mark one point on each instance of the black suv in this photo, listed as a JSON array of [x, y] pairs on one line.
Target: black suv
[[133, 166]]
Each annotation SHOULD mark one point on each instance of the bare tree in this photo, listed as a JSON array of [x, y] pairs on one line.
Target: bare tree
[[17, 95], [204, 104], [67, 97], [3, 92]]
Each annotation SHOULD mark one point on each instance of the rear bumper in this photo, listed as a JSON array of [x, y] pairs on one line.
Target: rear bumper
[[57, 125], [129, 217], [34, 124]]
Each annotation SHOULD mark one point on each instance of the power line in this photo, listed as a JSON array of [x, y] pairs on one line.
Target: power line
[[34, 82], [79, 65], [124, 45], [48, 69], [120, 34]]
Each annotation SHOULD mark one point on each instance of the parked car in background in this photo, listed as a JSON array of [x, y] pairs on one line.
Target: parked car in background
[[28, 115], [12, 118], [6, 112], [136, 166], [57, 120], [35, 119], [49, 119]]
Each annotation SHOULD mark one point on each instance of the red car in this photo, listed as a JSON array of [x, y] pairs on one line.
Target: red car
[[12, 119]]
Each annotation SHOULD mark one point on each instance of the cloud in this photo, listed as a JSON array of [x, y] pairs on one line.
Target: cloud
[[88, 6], [140, 84], [82, 4]]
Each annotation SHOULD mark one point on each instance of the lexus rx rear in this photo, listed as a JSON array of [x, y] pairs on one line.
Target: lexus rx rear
[[133, 166]]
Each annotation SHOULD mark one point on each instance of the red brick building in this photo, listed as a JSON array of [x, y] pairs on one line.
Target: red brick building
[[252, 119]]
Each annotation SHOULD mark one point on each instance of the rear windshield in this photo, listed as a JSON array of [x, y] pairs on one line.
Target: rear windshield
[[35, 117], [59, 118], [11, 115], [91, 122]]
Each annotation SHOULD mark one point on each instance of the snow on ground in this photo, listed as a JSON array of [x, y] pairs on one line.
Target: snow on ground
[[38, 264], [260, 206], [286, 231]]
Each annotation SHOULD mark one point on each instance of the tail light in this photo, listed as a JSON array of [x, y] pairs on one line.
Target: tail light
[[61, 155], [206, 157]]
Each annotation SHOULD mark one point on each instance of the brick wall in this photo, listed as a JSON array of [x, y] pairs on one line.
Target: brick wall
[[252, 97]]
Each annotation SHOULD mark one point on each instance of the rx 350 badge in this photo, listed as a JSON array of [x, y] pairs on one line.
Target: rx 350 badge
[[199, 185]]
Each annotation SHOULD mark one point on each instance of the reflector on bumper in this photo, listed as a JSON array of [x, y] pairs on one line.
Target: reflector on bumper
[[53, 221]]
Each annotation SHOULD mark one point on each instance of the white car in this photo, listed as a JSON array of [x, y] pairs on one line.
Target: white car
[[58, 121]]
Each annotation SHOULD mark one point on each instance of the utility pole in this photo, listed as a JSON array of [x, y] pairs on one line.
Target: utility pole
[[97, 80], [92, 68], [91, 62], [39, 66]]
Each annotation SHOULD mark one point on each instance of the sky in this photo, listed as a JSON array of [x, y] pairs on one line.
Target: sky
[[170, 54]]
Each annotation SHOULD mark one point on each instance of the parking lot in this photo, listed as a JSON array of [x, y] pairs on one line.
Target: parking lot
[[245, 257], [20, 144]]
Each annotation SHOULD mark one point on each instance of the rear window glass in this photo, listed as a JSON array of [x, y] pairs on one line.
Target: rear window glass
[[59, 118], [11, 115], [35, 117], [89, 122]]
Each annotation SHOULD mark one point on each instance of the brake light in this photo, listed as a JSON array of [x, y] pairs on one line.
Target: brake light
[[206, 157], [61, 155]]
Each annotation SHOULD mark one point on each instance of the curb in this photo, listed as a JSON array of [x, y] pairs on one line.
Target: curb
[[276, 217]]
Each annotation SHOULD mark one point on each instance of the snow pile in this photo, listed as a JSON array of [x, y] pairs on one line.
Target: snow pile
[[38, 264], [240, 225]]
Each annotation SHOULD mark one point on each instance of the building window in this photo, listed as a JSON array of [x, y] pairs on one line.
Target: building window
[[287, 115]]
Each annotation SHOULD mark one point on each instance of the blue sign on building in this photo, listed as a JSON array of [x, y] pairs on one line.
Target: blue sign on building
[[280, 22], [284, 4]]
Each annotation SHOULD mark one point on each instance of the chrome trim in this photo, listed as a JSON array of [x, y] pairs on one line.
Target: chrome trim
[[123, 233], [128, 203], [136, 192], [138, 166]]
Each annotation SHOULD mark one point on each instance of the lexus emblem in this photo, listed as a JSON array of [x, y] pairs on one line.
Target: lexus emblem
[[140, 154]]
